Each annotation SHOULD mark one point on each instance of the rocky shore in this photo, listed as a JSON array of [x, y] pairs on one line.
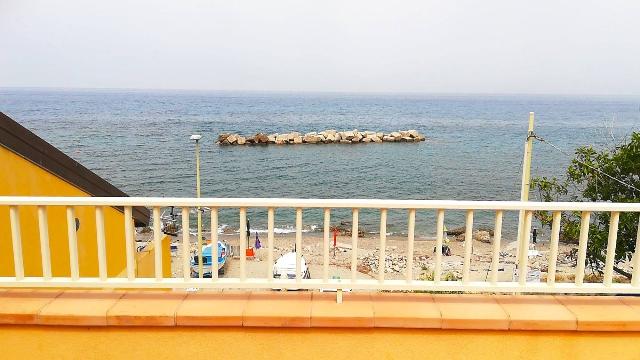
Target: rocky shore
[[322, 137]]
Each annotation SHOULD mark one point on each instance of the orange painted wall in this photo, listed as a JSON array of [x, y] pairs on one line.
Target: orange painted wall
[[44, 342], [19, 176]]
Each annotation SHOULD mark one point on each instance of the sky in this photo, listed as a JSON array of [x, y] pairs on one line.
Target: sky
[[463, 46]]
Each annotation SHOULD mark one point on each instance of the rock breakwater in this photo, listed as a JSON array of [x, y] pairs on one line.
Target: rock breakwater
[[322, 137]]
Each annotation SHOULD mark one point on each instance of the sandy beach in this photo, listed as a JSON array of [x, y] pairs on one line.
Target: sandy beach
[[396, 258]]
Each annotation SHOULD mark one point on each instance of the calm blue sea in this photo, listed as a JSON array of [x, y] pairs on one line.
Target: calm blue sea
[[139, 141]]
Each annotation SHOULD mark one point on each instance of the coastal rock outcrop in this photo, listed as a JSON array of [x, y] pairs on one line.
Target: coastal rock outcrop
[[323, 137]]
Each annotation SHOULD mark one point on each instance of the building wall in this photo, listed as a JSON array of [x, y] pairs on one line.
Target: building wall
[[21, 177], [108, 342]]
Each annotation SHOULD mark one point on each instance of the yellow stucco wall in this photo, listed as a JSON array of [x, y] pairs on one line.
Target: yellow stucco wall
[[44, 342], [19, 176], [145, 260]]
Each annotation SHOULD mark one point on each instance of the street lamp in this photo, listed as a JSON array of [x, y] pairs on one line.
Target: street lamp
[[196, 138]]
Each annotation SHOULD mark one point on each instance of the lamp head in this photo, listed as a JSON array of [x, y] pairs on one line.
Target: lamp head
[[195, 137]]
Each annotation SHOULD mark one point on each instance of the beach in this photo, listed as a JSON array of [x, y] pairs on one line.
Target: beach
[[396, 258]]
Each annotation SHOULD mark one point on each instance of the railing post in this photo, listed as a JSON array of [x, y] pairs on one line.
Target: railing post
[[214, 244], [45, 251], [497, 238], [382, 263], [129, 243], [553, 248], [325, 243], [411, 225], [354, 244], [437, 271], [270, 226], [157, 243], [635, 261], [582, 246], [243, 243], [468, 246], [186, 245], [16, 239], [611, 248], [73, 243], [102, 251], [299, 244], [523, 262]]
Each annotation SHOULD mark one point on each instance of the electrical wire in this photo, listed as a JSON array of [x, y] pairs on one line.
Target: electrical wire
[[542, 140]]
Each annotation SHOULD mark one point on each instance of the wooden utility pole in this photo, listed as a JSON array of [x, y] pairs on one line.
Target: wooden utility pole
[[523, 236]]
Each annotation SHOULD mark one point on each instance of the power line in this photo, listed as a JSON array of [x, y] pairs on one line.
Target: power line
[[583, 163]]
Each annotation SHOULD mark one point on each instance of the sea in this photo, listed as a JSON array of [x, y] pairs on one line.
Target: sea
[[139, 141]]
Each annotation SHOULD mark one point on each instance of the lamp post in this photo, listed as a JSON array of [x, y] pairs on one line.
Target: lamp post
[[197, 138]]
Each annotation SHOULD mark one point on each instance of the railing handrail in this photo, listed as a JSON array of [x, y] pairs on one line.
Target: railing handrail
[[439, 282], [318, 203]]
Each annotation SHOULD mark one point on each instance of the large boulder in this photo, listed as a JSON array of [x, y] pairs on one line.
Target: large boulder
[[367, 140], [297, 140], [272, 138], [330, 138], [388, 138], [232, 139], [413, 133], [310, 139], [347, 135], [482, 235], [241, 140], [377, 139], [261, 138], [282, 139], [222, 137], [338, 137]]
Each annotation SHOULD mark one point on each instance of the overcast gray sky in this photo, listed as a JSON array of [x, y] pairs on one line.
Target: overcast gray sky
[[490, 46]]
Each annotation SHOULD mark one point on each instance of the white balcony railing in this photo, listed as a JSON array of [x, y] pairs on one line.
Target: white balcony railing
[[242, 281]]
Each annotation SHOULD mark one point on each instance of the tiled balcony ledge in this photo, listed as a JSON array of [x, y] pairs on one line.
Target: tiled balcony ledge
[[315, 309]]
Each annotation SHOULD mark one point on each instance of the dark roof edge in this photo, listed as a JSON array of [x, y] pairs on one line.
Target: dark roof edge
[[25, 143]]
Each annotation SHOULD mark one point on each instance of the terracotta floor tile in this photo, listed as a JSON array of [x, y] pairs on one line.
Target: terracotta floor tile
[[602, 313], [278, 309], [536, 312], [401, 310], [146, 308], [469, 311], [79, 307], [633, 301], [21, 306], [212, 309], [356, 310]]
